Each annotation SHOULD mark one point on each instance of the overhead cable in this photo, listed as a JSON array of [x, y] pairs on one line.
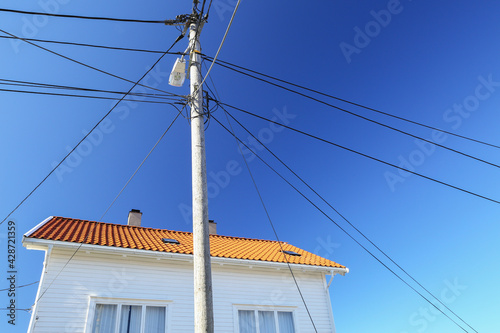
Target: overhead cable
[[32, 84], [364, 155], [93, 128], [343, 217], [272, 224], [22, 286], [89, 66], [227, 65], [143, 161], [221, 43], [179, 20], [91, 45], [340, 227], [375, 122], [82, 96], [91, 229]]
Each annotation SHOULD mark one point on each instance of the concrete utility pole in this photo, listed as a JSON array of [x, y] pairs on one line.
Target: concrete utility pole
[[203, 304]]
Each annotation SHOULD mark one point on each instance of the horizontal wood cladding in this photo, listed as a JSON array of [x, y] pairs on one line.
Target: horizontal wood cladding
[[64, 306]]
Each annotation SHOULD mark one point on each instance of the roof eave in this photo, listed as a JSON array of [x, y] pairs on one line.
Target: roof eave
[[42, 244]]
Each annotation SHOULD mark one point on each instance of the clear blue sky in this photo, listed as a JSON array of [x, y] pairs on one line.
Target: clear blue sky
[[433, 62]]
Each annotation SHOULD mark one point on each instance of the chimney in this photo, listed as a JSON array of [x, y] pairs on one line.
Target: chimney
[[134, 217], [212, 227]]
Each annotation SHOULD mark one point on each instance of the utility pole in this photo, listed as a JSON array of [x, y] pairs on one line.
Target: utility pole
[[203, 304]]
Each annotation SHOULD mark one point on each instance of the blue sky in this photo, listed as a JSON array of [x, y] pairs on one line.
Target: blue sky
[[432, 62]]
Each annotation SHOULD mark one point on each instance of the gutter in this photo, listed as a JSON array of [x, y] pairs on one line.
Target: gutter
[[332, 275], [41, 244]]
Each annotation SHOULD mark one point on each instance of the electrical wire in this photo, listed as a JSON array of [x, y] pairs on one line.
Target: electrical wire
[[82, 96], [337, 212], [65, 87], [140, 165], [270, 220], [93, 128], [342, 229], [92, 67], [275, 232], [202, 8], [91, 229], [219, 61], [377, 122], [91, 45], [220, 45], [344, 218], [208, 10], [364, 155], [80, 16], [8, 309], [24, 285]]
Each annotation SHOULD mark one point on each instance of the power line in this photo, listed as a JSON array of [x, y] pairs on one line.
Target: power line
[[344, 218], [8, 309], [342, 229], [221, 43], [179, 20], [91, 229], [82, 96], [25, 285], [93, 128], [91, 45], [221, 62], [270, 220], [208, 10], [202, 8], [276, 235], [140, 165], [373, 121], [65, 87], [364, 155], [92, 67]]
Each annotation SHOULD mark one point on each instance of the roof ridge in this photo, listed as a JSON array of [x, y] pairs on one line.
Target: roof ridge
[[150, 228]]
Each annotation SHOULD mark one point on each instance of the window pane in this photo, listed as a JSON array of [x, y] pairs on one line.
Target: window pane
[[155, 319], [285, 320], [130, 321], [247, 321], [266, 322], [104, 318]]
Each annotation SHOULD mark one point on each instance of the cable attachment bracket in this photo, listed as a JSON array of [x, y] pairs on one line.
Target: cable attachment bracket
[[179, 20]]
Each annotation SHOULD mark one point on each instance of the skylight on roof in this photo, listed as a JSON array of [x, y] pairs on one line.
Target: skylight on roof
[[170, 241], [292, 253]]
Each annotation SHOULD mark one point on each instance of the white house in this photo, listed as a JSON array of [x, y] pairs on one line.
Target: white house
[[103, 277]]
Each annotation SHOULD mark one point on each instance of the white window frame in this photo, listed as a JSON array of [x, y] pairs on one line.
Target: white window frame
[[257, 308], [119, 302]]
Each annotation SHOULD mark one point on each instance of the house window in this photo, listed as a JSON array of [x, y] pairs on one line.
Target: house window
[[129, 318], [266, 321]]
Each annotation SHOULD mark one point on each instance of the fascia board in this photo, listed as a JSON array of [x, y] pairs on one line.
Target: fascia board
[[41, 244]]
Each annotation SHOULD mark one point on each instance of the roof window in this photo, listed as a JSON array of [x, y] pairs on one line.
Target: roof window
[[170, 241], [292, 253]]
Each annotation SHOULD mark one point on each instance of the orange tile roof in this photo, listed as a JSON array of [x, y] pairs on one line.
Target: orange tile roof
[[131, 237]]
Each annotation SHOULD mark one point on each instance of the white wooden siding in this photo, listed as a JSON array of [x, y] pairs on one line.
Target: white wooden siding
[[64, 307]]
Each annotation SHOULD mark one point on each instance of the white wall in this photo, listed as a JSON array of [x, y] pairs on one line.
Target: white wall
[[64, 307]]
